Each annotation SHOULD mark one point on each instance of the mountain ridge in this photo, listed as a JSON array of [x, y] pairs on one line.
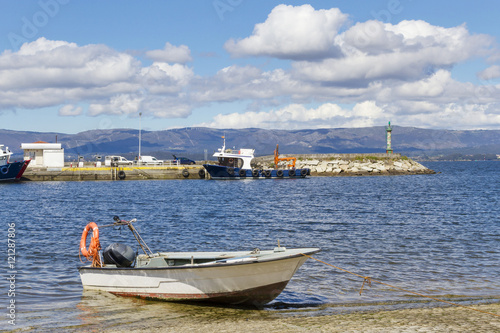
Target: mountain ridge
[[196, 142]]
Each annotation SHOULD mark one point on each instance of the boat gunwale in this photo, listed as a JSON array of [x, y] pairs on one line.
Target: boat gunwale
[[204, 265]]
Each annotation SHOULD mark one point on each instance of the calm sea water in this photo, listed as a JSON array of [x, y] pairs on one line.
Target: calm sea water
[[434, 234]]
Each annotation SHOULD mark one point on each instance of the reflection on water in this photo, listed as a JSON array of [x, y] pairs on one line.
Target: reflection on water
[[104, 310]]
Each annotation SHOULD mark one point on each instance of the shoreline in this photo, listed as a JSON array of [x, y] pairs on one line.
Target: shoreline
[[433, 319], [442, 319]]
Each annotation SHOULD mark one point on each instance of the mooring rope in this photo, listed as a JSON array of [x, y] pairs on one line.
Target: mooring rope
[[368, 280]]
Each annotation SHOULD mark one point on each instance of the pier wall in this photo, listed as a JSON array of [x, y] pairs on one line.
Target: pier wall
[[112, 173], [320, 165]]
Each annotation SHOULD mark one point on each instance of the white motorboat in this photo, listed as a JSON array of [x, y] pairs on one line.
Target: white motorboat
[[236, 164], [241, 277]]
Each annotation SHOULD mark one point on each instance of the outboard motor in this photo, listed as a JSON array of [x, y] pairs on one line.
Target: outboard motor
[[119, 254]]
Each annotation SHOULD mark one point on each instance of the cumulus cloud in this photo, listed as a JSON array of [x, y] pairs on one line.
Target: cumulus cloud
[[490, 73], [51, 73], [365, 114], [240, 83], [165, 78], [372, 37], [70, 110], [120, 104], [45, 63], [297, 116], [292, 33], [456, 116], [432, 86], [409, 50], [171, 54], [403, 72]]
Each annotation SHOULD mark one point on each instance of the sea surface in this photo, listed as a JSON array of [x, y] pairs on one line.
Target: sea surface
[[438, 235]]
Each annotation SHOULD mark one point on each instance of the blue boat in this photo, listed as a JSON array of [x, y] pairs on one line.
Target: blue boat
[[10, 170], [236, 164]]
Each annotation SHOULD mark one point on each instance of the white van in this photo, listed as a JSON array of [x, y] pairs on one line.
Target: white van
[[151, 160], [116, 161]]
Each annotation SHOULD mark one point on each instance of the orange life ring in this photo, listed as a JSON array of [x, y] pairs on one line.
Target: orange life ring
[[95, 246]]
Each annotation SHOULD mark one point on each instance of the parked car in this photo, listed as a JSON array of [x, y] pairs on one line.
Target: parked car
[[149, 160], [183, 160], [116, 161]]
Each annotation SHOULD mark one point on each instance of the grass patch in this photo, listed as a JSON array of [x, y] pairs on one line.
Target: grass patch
[[368, 157]]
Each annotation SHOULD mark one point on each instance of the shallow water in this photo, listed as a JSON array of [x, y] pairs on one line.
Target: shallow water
[[433, 234]]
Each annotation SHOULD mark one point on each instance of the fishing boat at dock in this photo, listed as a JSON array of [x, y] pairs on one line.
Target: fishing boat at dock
[[236, 164], [252, 278], [10, 170]]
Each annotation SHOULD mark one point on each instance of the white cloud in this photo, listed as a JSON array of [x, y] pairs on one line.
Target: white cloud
[[401, 72], [372, 37], [490, 73], [162, 78], [120, 104], [42, 45], [50, 73], [45, 64], [171, 54], [427, 88], [292, 33], [297, 116], [456, 116], [365, 114], [410, 50], [70, 110], [241, 83]]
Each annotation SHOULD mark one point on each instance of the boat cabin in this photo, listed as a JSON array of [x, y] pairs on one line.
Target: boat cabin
[[4, 155], [235, 158]]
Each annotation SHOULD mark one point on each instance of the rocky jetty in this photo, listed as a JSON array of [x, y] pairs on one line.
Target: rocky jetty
[[356, 164]]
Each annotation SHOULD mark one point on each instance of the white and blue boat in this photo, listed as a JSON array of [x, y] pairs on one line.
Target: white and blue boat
[[236, 164], [10, 170]]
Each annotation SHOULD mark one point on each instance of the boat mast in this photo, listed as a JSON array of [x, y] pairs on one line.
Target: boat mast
[[140, 130]]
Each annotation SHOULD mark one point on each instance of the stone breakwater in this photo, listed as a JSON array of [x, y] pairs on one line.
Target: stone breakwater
[[364, 167], [358, 164], [320, 165]]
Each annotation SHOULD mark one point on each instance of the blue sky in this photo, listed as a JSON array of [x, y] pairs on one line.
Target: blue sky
[[70, 66]]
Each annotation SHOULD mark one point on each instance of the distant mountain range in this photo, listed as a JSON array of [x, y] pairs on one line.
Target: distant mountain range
[[196, 142]]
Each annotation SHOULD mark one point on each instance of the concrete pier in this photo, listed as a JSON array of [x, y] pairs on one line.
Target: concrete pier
[[320, 165], [114, 173]]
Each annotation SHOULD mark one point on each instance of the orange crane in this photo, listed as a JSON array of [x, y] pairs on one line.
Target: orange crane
[[277, 159]]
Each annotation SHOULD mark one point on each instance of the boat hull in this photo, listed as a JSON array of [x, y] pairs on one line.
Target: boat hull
[[249, 282], [13, 170], [223, 172]]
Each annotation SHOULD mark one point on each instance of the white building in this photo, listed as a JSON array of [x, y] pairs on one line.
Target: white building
[[44, 154]]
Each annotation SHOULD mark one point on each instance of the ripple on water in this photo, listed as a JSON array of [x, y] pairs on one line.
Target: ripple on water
[[435, 234]]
